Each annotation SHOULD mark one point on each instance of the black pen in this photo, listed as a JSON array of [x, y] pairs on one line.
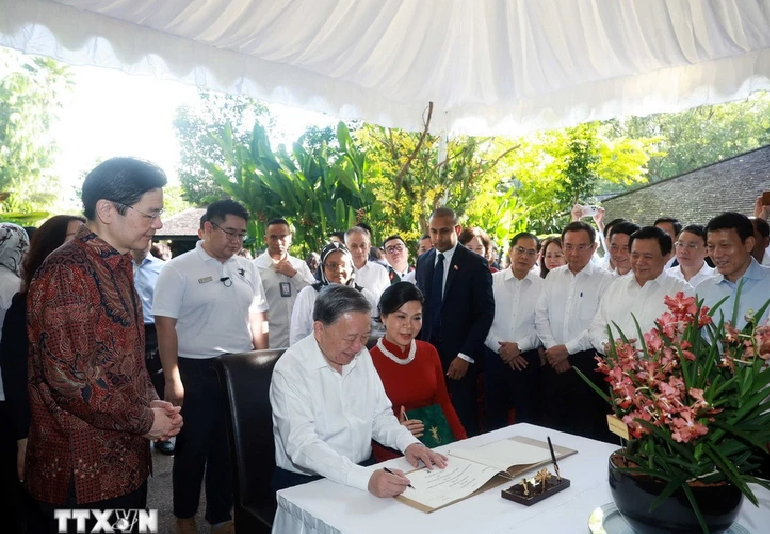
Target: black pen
[[553, 457], [392, 473]]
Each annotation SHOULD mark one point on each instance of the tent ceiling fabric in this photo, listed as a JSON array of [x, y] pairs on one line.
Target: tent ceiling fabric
[[490, 66]]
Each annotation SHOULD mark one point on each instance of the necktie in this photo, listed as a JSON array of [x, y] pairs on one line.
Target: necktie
[[436, 296]]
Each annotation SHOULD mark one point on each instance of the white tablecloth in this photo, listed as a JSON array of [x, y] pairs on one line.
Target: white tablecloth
[[324, 507]]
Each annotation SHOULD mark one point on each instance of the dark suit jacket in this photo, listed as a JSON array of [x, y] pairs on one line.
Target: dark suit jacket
[[468, 307]]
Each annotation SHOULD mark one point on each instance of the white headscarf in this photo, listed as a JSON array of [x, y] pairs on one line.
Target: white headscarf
[[14, 244]]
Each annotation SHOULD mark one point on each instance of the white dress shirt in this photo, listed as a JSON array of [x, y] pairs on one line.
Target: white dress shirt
[[212, 318], [766, 260], [373, 277], [626, 299], [324, 421], [567, 304], [515, 302], [704, 272], [282, 301], [302, 313]]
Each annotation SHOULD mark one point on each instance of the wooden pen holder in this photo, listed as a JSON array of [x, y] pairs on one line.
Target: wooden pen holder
[[516, 492]]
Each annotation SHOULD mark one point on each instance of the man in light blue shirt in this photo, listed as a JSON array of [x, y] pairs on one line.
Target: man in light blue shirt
[[146, 271], [730, 242]]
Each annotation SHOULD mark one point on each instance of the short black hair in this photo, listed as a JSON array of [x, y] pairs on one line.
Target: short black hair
[[423, 237], [203, 221], [762, 227], [397, 295], [123, 181], [443, 211], [729, 220], [696, 229], [624, 227], [609, 225], [391, 238], [339, 235], [525, 235], [652, 232], [675, 222], [277, 221], [577, 226], [222, 208]]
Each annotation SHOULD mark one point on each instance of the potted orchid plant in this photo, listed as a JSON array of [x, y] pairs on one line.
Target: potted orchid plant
[[693, 392]]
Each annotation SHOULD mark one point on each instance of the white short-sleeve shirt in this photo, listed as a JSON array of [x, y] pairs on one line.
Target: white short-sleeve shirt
[[211, 301]]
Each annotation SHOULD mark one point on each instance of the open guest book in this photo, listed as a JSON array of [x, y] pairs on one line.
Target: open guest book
[[473, 471]]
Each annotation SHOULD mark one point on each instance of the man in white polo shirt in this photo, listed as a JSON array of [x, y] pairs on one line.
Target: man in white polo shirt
[[283, 277], [208, 302], [369, 274]]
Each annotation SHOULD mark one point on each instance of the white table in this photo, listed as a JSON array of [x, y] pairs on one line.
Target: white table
[[323, 507]]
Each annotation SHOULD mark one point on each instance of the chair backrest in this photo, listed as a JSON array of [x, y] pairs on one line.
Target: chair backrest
[[245, 380]]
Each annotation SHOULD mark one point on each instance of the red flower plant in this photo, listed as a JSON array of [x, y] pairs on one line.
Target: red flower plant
[[695, 397]]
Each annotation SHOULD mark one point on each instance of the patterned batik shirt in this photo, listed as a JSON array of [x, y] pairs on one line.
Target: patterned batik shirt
[[88, 386]]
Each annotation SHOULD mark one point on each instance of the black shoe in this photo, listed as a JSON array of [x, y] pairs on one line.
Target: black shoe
[[165, 447]]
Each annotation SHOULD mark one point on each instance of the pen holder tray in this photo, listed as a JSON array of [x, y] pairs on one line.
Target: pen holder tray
[[553, 486]]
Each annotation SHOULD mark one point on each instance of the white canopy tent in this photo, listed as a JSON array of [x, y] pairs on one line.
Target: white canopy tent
[[490, 66]]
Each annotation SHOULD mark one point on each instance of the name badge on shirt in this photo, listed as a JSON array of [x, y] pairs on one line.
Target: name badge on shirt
[[285, 289], [204, 280]]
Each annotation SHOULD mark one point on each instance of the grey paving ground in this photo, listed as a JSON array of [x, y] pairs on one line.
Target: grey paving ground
[[160, 496]]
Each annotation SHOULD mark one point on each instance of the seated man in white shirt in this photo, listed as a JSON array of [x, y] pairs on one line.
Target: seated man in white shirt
[[640, 295], [329, 403], [691, 254], [369, 274]]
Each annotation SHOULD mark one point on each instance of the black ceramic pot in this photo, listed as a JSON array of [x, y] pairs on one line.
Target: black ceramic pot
[[634, 494]]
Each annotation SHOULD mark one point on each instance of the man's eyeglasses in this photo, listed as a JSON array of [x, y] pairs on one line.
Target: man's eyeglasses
[[157, 215], [528, 251], [580, 248], [681, 244], [235, 236], [394, 248]]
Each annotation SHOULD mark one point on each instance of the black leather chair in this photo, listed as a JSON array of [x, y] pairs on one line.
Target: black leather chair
[[245, 380]]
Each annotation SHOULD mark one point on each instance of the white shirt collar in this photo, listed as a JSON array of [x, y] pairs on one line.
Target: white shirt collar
[[509, 275], [447, 253]]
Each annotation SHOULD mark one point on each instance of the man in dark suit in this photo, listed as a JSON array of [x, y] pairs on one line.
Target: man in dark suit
[[459, 309]]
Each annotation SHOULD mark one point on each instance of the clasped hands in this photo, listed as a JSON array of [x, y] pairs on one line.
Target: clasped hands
[[510, 354], [384, 484], [557, 356], [167, 421]]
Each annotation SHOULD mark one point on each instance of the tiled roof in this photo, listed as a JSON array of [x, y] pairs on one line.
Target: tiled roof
[[695, 197], [185, 223]]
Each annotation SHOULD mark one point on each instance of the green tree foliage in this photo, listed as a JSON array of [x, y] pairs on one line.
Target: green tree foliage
[[700, 136], [197, 130], [31, 89], [316, 195]]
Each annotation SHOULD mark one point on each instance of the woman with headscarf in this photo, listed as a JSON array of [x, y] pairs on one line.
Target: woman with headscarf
[[14, 244], [336, 268]]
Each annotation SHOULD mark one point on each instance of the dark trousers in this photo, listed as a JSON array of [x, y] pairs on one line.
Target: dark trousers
[[283, 478], [506, 388], [152, 359], [573, 406], [201, 446], [43, 522], [464, 395], [13, 498]]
